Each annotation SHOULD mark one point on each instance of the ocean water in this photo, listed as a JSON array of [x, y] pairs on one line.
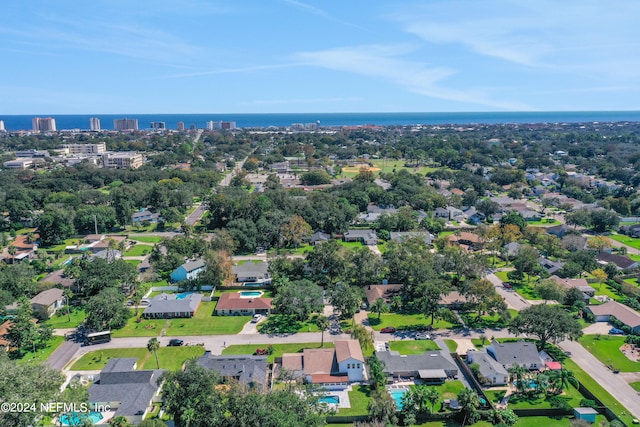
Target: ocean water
[[81, 121]]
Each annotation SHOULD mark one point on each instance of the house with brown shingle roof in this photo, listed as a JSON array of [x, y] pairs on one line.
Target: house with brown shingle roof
[[386, 292], [623, 313], [233, 303], [466, 240], [620, 261], [331, 367], [581, 284]]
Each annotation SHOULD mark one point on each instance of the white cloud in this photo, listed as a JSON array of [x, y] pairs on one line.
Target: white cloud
[[385, 62], [322, 13]]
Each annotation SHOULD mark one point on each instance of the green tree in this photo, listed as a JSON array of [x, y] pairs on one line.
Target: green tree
[[379, 306], [549, 290], [469, 404], [55, 225], [549, 323], [24, 334], [68, 294], [363, 267], [315, 177], [561, 379], [299, 298], [293, 232], [345, 298], [377, 377], [322, 323], [515, 218], [382, 407], [106, 310], [526, 260], [517, 374], [119, 421], [153, 345]]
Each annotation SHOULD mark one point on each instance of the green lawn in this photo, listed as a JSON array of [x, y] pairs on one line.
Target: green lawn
[[487, 321], [61, 321], [629, 241], [359, 398], [42, 355], [144, 328], [133, 262], [405, 321], [138, 250], [607, 290], [284, 324], [544, 222], [351, 245], [146, 239], [96, 360], [205, 323], [278, 349], [524, 288], [598, 391], [536, 401], [172, 358], [413, 346], [635, 386], [607, 350], [451, 345]]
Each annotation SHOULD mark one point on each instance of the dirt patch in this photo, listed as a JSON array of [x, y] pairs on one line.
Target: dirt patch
[[358, 169], [631, 351]]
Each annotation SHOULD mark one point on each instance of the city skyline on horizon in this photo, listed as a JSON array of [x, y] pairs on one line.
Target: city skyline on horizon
[[288, 56]]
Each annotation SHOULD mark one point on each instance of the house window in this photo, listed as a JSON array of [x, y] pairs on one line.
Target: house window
[[358, 366], [348, 365]]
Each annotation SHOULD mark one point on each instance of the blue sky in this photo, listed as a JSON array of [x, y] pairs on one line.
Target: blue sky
[[272, 56]]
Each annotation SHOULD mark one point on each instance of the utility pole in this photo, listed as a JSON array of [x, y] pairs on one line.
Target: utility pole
[[95, 223]]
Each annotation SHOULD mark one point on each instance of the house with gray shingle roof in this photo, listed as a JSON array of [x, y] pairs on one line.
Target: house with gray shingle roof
[[367, 237], [253, 272], [523, 353], [493, 371], [127, 391], [246, 369], [189, 270], [431, 366], [46, 303], [168, 306]]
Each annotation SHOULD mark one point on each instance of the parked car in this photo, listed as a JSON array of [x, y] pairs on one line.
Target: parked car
[[256, 318], [507, 285], [388, 330], [175, 342], [423, 336], [616, 331]]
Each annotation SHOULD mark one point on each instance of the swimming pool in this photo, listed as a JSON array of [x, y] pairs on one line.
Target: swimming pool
[[250, 294], [75, 418], [397, 394], [330, 399], [183, 295]]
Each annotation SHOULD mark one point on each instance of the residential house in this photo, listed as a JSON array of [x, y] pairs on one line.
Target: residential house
[[333, 368], [473, 216], [453, 300], [46, 303], [581, 284], [466, 240], [511, 249], [168, 306], [431, 366], [252, 272], [550, 266], [621, 262], [145, 216], [522, 353], [612, 309], [235, 304], [386, 292], [60, 280], [188, 271], [129, 392], [557, 230], [4, 330], [631, 230], [109, 255], [494, 372], [450, 213], [246, 369], [319, 237], [26, 249], [367, 237], [374, 212], [400, 236]]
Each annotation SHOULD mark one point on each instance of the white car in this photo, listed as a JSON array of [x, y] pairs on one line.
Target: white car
[[423, 336], [256, 318]]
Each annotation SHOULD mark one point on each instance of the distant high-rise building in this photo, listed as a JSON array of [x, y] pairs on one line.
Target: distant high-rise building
[[98, 148], [44, 124], [2, 129], [94, 123], [158, 125], [180, 126], [125, 124], [211, 125]]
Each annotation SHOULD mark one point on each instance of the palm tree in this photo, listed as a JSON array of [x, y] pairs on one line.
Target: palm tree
[[469, 403], [379, 306], [68, 294], [518, 373], [396, 303], [323, 323], [561, 379], [432, 396], [153, 345]]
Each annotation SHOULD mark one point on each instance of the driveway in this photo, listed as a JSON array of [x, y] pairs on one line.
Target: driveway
[[597, 328], [512, 298]]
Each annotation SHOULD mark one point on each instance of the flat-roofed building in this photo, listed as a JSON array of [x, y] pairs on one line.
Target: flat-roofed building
[[94, 123], [125, 124], [122, 160], [44, 124], [97, 148], [21, 163], [158, 125]]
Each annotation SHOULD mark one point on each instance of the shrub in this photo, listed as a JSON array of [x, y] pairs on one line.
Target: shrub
[[588, 403]]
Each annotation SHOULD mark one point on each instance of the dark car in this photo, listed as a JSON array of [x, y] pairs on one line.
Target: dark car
[[507, 285], [388, 330], [175, 343]]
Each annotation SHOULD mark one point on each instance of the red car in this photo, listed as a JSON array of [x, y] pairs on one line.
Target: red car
[[388, 330], [507, 285]]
